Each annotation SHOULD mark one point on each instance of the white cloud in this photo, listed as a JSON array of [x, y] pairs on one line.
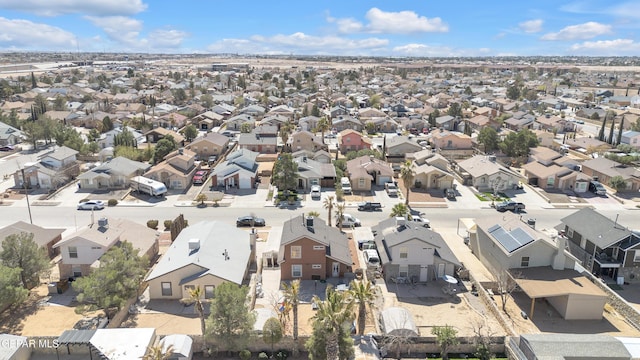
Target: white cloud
[[402, 22], [27, 35], [349, 25], [87, 7], [166, 38], [584, 31], [607, 47], [531, 26], [121, 29]]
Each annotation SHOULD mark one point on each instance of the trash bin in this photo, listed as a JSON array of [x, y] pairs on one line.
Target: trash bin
[[620, 280], [532, 223], [53, 288]]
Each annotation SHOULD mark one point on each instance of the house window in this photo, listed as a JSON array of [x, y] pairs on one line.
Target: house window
[[403, 271], [73, 252], [316, 266], [166, 289], [636, 256], [296, 252], [76, 270], [361, 183], [296, 271], [318, 247], [209, 291], [570, 233], [524, 261], [404, 253]]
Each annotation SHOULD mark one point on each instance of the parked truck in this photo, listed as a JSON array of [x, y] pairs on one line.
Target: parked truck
[[510, 205], [369, 206], [148, 186]]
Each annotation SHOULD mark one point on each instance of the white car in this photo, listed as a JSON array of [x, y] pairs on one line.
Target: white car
[[91, 205], [349, 220], [315, 191], [422, 221]]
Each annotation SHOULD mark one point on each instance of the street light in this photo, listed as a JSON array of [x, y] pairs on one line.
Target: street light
[[24, 184]]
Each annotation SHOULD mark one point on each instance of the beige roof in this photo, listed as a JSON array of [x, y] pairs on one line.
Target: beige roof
[[539, 282], [41, 235]]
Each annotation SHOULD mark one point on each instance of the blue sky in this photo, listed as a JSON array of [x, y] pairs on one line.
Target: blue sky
[[324, 27]]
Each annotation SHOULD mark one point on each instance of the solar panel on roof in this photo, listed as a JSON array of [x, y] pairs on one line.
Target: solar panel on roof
[[510, 240]]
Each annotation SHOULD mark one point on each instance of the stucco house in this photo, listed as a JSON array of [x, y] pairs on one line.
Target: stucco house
[[197, 257], [211, 144], [176, 170], [367, 171], [311, 250], [9, 135], [312, 172], [157, 134], [81, 251], [45, 238], [304, 140], [257, 143], [604, 169], [52, 171], [344, 122], [112, 174], [485, 174], [351, 140], [398, 147], [631, 138], [239, 170], [451, 144]]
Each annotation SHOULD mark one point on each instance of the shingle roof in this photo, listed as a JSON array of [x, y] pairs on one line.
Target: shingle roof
[[336, 242], [596, 227], [41, 235]]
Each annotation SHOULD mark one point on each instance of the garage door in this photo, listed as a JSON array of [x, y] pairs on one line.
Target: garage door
[[245, 183]]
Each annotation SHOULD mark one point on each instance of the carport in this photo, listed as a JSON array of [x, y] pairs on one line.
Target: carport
[[76, 337], [574, 296]]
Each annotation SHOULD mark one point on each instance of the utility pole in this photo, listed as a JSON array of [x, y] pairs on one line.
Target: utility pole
[[26, 193]]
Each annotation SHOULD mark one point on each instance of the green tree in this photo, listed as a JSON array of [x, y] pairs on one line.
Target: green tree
[[617, 182], [328, 204], [454, 110], [163, 148], [207, 101], [32, 132], [620, 131], [488, 137], [11, 289], [245, 128], [202, 197], [407, 175], [446, 337], [125, 138], [323, 125], [468, 91], [518, 144], [230, 322], [115, 281], [20, 251], [190, 132], [60, 103], [285, 172], [370, 127], [195, 298], [34, 84], [594, 116], [107, 124], [400, 209], [291, 293], [331, 323], [315, 111], [375, 101], [339, 214], [364, 295], [513, 92], [158, 352], [179, 95], [272, 332]]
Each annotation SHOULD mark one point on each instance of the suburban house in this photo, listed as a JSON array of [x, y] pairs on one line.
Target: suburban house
[[9, 135], [81, 251], [157, 134], [321, 156], [545, 138], [54, 169], [208, 120], [308, 123], [176, 170], [173, 120], [108, 139], [45, 238], [239, 170], [452, 145], [429, 157], [351, 140], [604, 246], [304, 140], [312, 172], [382, 124], [212, 143], [197, 257], [604, 169], [312, 250], [485, 174], [411, 251], [429, 176], [255, 142], [446, 122], [236, 122], [628, 137], [540, 265], [344, 122], [548, 169], [112, 174], [584, 144], [367, 171], [397, 147]]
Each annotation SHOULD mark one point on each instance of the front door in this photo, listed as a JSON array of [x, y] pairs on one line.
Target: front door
[[336, 269], [424, 272]]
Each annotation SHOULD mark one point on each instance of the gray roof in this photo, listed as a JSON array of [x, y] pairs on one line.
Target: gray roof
[[309, 168], [480, 165], [574, 346], [256, 139], [212, 137], [6, 131], [388, 234], [120, 165], [596, 227], [336, 243], [62, 153], [215, 237], [41, 235]]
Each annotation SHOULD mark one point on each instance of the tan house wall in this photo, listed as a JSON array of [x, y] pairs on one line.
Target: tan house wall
[[174, 277], [204, 149], [356, 185]]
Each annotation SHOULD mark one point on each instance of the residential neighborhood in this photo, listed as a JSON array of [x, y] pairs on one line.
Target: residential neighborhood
[[143, 198]]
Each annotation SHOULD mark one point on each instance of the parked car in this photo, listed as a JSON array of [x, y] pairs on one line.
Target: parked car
[[200, 177], [250, 221], [510, 205], [422, 221], [212, 159], [369, 206], [371, 257], [7, 148], [597, 188], [91, 205], [315, 191], [346, 185], [450, 194], [391, 188], [349, 220]]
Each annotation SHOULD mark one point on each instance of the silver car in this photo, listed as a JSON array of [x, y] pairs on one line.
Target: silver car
[[91, 205]]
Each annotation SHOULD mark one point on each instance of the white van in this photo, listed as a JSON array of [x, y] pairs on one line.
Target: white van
[[349, 220], [346, 185], [371, 257]]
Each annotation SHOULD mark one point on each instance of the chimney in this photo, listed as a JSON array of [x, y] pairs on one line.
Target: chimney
[[194, 244], [400, 220], [310, 222], [559, 258]]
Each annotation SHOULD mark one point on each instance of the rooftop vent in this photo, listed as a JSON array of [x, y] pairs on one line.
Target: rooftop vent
[[103, 222], [194, 244]]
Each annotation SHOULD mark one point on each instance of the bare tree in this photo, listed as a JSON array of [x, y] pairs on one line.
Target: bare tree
[[483, 340], [506, 282]]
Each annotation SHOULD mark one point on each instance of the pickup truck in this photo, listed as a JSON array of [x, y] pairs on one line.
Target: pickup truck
[[369, 206], [510, 205]]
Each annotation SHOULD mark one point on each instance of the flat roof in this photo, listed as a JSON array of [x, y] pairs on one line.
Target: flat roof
[[543, 281]]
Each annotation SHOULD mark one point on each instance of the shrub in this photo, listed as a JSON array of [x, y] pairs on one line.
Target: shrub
[[263, 355], [167, 224], [83, 200], [152, 224], [245, 354], [112, 202], [282, 354]]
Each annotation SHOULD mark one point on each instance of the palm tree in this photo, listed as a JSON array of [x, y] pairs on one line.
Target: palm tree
[[156, 353], [407, 175], [323, 125], [363, 294], [328, 204], [195, 298], [400, 209], [339, 215], [332, 315], [291, 294]]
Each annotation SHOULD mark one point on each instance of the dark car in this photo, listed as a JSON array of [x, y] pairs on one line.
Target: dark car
[[250, 221], [7, 148]]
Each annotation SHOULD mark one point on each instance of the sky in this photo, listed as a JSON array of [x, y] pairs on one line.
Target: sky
[[417, 28]]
